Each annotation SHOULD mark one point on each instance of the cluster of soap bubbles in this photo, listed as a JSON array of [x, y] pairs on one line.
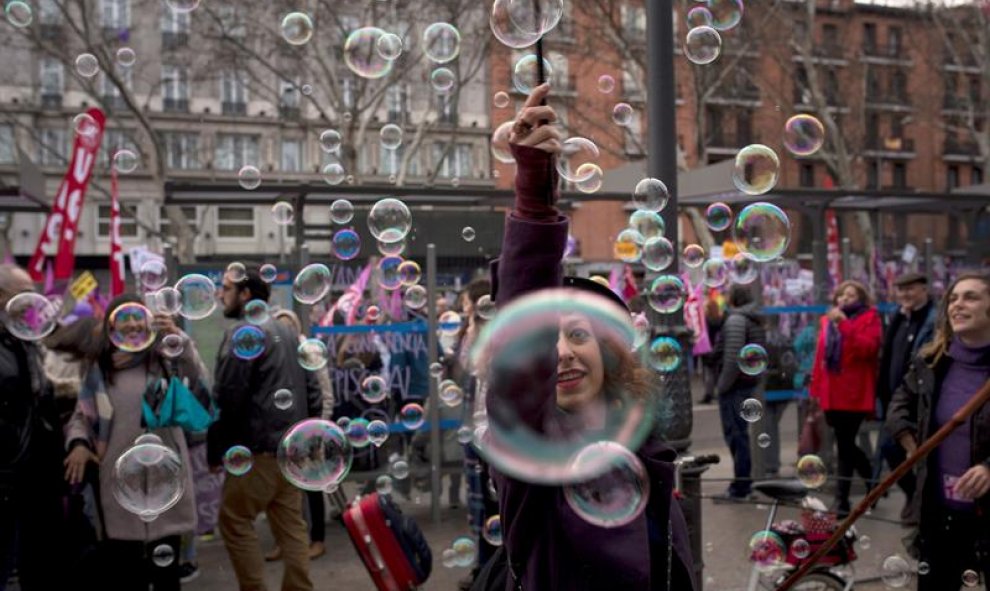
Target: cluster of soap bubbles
[[462, 553]]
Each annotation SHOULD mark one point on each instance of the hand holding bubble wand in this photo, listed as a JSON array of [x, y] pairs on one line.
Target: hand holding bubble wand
[[977, 400]]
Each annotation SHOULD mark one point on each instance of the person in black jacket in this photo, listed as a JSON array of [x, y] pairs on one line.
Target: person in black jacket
[[244, 392], [31, 487], [742, 326]]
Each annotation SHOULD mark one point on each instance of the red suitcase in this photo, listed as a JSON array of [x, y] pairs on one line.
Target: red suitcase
[[372, 523]]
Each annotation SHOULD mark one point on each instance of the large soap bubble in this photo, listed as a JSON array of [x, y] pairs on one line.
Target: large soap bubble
[[757, 168], [389, 220], [528, 436], [312, 283], [30, 316], [762, 231], [536, 16], [362, 56], [617, 493], [314, 454], [198, 296], [441, 42], [131, 327], [506, 30], [148, 480]]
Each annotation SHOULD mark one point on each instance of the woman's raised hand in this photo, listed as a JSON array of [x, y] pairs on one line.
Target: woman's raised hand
[[75, 463], [532, 127]]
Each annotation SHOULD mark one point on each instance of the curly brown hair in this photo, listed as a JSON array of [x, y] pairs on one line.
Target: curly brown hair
[[934, 350], [861, 290]]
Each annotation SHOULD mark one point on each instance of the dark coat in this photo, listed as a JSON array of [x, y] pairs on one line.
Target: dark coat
[[886, 383], [911, 411], [550, 547]]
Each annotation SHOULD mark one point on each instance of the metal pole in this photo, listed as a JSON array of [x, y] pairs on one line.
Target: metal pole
[[846, 258], [431, 345], [929, 260], [819, 258]]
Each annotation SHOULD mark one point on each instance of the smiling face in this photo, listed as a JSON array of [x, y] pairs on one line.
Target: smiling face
[[968, 310], [847, 297], [911, 296], [580, 369]]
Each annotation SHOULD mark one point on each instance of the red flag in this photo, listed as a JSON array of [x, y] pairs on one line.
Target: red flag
[[832, 241], [116, 252], [72, 191]]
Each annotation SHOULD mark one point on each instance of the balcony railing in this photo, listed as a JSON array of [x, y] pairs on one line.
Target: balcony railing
[[893, 52], [737, 92], [174, 39], [958, 103], [961, 148], [722, 139], [175, 105], [393, 116], [231, 108], [895, 144], [829, 50], [959, 59]]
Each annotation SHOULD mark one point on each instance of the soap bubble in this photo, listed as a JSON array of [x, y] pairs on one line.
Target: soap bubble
[[536, 16], [756, 170], [153, 274], [592, 176], [606, 84], [249, 177], [312, 283], [718, 216], [282, 398], [198, 296], [665, 354], [330, 141], [618, 492], [268, 273], [172, 345], [282, 213], [84, 124], [361, 53], [441, 42], [448, 558], [126, 57], [297, 28], [693, 256], [346, 244], [526, 73], [726, 14], [357, 433], [238, 460], [464, 434], [895, 572], [412, 416], [125, 161], [658, 253], [30, 316], [312, 354], [147, 480], [236, 272], [468, 234], [703, 45], [163, 555], [378, 432], [389, 277], [372, 314], [651, 195], [383, 484], [762, 231], [392, 249], [622, 114], [667, 294], [492, 530], [314, 454], [333, 173], [131, 328], [500, 99], [389, 46], [409, 273], [803, 135], [507, 31], [649, 224], [391, 136], [247, 342], [443, 80], [87, 65], [800, 547], [451, 394], [642, 325], [341, 211], [450, 323], [767, 550], [924, 568], [742, 269], [465, 551], [811, 472], [575, 152], [500, 143], [970, 578], [399, 469], [763, 440], [864, 541], [485, 307], [19, 13], [415, 297], [436, 369], [699, 16], [629, 245], [182, 6], [714, 273], [389, 220], [516, 345], [751, 410]]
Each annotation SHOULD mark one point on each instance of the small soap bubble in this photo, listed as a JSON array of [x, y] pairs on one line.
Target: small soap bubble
[[693, 255], [812, 473], [702, 45], [753, 359], [895, 572], [763, 440], [282, 398], [249, 177], [238, 460], [622, 114], [606, 84], [756, 169], [501, 99], [163, 555], [718, 216], [751, 410]]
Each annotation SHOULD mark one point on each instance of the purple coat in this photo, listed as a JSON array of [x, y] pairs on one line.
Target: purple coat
[[549, 546]]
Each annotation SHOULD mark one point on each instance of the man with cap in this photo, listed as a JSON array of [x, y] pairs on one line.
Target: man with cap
[[909, 328]]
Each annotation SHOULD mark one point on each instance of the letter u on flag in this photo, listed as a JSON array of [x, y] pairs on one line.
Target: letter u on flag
[[116, 252]]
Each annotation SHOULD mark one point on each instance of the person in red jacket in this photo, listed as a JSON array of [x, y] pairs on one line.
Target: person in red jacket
[[843, 379]]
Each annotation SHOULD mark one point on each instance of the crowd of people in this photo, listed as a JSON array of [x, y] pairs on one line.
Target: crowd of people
[[72, 405]]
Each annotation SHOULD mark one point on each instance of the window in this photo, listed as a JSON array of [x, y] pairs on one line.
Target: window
[[292, 155], [52, 147], [869, 37], [128, 227], [235, 222], [807, 179], [801, 94], [975, 87], [175, 89], [873, 173], [457, 162], [347, 93], [49, 12], [116, 14], [976, 176], [634, 19], [872, 84], [898, 86], [235, 150], [560, 70], [109, 90], [7, 144], [175, 22], [233, 92], [231, 24], [896, 126], [390, 162], [114, 140], [52, 77], [446, 109], [830, 37], [288, 94], [832, 87], [894, 41], [872, 130], [189, 211], [632, 79], [744, 127], [900, 175], [397, 103], [952, 177], [181, 150], [713, 123]]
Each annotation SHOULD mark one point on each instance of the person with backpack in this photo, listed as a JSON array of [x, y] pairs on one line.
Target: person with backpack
[[742, 326], [843, 379]]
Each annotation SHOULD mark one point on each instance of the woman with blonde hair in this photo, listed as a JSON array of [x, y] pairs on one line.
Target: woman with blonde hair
[[843, 378]]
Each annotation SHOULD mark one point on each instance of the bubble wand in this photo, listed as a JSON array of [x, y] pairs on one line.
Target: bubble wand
[[541, 76], [981, 397]]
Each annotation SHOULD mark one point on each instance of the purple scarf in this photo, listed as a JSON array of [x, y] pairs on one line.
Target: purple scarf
[[833, 338]]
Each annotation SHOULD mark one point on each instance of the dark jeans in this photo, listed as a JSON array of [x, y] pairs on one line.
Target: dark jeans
[[128, 565], [852, 459], [952, 543], [317, 516], [735, 431]]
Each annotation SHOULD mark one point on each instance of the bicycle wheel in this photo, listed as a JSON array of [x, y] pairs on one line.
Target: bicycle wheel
[[821, 580]]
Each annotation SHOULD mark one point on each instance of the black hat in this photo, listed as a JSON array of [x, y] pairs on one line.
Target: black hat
[[910, 279], [585, 284]]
